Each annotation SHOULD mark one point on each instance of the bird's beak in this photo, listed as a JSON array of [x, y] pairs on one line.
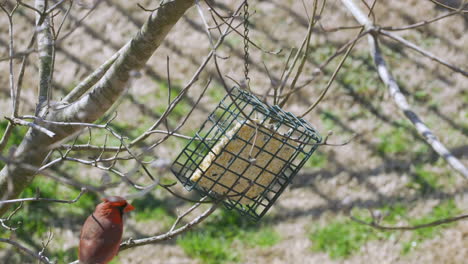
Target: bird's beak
[[128, 208]]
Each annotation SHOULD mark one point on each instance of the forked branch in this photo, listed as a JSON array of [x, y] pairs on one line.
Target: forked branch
[[398, 97]]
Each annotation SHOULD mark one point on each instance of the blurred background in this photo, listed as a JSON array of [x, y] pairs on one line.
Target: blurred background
[[387, 170]]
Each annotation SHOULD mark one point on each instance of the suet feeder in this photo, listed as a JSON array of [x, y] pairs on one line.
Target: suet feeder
[[246, 153]]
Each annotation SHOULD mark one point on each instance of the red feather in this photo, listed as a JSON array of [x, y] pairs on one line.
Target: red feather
[[102, 231]]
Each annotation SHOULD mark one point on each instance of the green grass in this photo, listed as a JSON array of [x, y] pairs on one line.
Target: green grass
[[443, 210], [216, 93], [317, 160], [342, 238], [328, 118], [422, 96], [395, 141], [424, 180], [150, 209], [214, 241], [400, 142]]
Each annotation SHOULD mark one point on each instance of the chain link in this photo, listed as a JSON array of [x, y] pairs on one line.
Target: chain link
[[246, 44]]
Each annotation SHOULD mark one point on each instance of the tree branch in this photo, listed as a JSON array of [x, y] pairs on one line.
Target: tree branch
[[26, 250], [35, 199], [45, 46], [35, 126], [398, 96], [169, 235], [423, 52], [375, 225], [133, 56], [91, 80]]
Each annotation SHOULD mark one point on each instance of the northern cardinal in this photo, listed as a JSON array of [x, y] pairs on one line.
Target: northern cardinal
[[102, 231]]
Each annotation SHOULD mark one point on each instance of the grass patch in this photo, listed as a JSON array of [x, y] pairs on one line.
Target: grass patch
[[343, 237], [443, 210], [317, 160], [216, 93], [424, 181], [150, 209], [394, 142], [339, 239], [214, 242], [328, 118]]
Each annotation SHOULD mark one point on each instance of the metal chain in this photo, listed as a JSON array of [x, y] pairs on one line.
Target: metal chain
[[246, 44]]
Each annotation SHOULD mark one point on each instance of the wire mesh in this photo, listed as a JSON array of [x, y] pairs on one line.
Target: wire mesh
[[246, 153]]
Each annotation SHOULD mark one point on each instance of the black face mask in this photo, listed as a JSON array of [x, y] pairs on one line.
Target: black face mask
[[121, 210]]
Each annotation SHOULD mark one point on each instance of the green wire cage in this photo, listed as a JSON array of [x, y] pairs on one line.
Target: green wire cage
[[246, 153]]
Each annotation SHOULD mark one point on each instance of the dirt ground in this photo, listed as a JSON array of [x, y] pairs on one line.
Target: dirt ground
[[358, 174]]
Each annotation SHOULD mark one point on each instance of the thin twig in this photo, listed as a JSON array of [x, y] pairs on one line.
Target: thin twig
[[52, 8], [335, 73], [423, 52], [26, 250], [56, 34], [184, 90], [18, 121], [449, 7], [19, 84], [169, 235], [312, 23], [422, 23], [375, 225], [227, 23], [11, 52], [2, 221], [184, 214], [6, 136], [36, 199]]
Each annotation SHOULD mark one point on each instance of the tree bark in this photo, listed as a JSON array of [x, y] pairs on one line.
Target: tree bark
[[133, 56]]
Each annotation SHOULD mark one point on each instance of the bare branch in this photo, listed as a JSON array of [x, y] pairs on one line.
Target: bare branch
[[449, 7], [52, 8], [35, 199], [11, 52], [227, 23], [423, 52], [91, 80], [6, 136], [30, 7], [335, 73], [312, 23], [131, 243], [32, 125], [399, 97], [26, 250], [19, 84], [422, 23], [188, 211], [185, 89], [375, 225], [45, 45], [2, 221]]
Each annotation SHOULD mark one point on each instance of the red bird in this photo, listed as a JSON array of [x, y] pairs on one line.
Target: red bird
[[102, 231]]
